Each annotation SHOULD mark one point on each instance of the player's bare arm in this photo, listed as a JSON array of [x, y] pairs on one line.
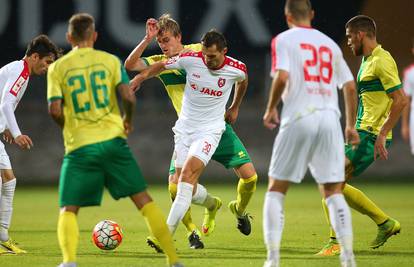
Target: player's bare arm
[[56, 112], [128, 105], [405, 127], [399, 102], [146, 74], [134, 61], [350, 97], [271, 117], [239, 92], [23, 141]]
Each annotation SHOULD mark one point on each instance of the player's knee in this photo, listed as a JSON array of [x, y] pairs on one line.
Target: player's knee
[[7, 175], [173, 178]]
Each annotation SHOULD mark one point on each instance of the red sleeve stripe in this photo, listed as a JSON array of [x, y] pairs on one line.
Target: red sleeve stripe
[[236, 64], [273, 53], [191, 54], [17, 85]]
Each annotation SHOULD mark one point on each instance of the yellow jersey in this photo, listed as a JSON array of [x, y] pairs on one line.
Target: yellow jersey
[[173, 80], [86, 80], [377, 77]]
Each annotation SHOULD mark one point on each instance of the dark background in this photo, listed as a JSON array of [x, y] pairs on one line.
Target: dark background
[[248, 26]]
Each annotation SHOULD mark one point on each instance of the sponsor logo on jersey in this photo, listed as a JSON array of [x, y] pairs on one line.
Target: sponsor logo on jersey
[[208, 91], [196, 75], [221, 82], [17, 85]]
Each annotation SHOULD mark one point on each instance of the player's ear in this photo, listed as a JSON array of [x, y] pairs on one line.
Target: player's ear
[[225, 50], [68, 38], [311, 15], [95, 36]]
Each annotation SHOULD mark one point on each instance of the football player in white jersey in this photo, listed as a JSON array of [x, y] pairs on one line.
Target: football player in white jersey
[[407, 119], [209, 81], [308, 70], [14, 77]]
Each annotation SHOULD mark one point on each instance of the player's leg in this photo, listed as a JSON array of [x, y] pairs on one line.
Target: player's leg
[[7, 188], [327, 167], [193, 234], [123, 178], [68, 234], [81, 184], [290, 157], [190, 173], [273, 219], [231, 153]]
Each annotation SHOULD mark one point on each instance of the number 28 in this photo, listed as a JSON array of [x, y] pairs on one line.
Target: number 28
[[323, 56]]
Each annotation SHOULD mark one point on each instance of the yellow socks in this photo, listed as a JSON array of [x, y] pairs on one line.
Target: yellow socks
[[156, 224], [68, 235], [245, 190], [357, 200], [187, 220]]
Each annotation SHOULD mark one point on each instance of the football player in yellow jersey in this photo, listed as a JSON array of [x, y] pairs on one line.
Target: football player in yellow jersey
[[381, 102], [231, 152], [82, 87]]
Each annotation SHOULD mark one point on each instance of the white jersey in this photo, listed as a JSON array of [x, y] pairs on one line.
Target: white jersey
[[409, 84], [14, 78], [206, 91], [316, 69]]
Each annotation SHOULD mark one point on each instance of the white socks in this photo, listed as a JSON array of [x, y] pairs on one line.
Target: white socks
[[341, 221], [180, 206], [273, 222], [6, 208], [203, 198]]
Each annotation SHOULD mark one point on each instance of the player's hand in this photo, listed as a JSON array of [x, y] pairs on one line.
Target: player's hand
[[24, 141], [128, 128], [379, 147], [135, 83], [405, 133], [231, 115], [151, 28], [8, 137], [271, 119], [352, 136]]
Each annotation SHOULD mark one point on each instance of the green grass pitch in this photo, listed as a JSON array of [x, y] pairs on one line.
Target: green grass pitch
[[35, 218]]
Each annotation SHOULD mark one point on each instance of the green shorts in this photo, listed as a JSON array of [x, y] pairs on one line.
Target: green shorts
[[87, 170], [363, 155], [230, 152]]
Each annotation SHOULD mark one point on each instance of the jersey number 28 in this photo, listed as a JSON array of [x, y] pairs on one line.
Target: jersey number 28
[[319, 66]]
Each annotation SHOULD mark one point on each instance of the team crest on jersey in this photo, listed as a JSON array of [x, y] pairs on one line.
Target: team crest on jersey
[[221, 82]]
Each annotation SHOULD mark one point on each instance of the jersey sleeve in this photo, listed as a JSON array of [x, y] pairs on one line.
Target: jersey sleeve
[[54, 88], [121, 76], [409, 82], [387, 72], [153, 59], [281, 58], [16, 78], [344, 74], [176, 62], [273, 57]]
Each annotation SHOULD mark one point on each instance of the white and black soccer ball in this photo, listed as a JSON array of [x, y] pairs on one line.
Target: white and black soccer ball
[[107, 235]]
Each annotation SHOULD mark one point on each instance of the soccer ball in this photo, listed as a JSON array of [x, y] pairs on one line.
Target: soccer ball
[[107, 235]]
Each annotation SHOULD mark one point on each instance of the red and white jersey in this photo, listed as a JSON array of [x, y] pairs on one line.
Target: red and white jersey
[[316, 69], [206, 91], [409, 84], [14, 78]]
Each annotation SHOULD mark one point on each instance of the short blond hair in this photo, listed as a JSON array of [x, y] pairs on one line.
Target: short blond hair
[[81, 26], [167, 23]]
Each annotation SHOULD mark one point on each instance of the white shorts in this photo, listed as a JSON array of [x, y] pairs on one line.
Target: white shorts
[[4, 158], [314, 141], [201, 145], [412, 132]]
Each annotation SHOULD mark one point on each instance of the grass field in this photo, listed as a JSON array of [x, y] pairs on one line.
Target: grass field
[[35, 217]]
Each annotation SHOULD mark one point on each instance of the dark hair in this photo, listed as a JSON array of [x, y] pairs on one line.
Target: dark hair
[[214, 37], [362, 23], [300, 9], [43, 46], [81, 26], [167, 23]]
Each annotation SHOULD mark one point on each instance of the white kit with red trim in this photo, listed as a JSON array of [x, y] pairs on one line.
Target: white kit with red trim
[[206, 91], [14, 78], [316, 69]]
